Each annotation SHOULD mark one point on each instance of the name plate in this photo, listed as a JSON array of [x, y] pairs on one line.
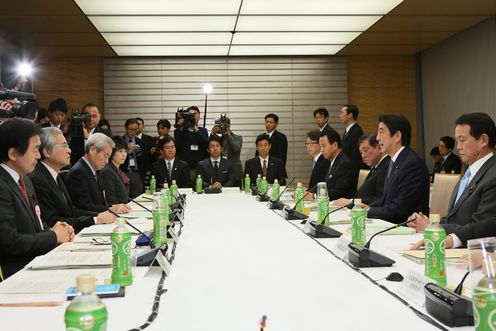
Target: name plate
[[163, 262], [307, 227], [341, 248], [173, 234], [412, 287]]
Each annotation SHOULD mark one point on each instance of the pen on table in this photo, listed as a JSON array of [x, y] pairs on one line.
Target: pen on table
[[263, 323]]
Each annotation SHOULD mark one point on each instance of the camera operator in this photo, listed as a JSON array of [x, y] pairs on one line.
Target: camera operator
[[88, 121], [231, 144], [11, 107], [191, 141]]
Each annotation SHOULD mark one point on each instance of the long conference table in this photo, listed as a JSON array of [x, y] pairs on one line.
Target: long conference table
[[235, 261]]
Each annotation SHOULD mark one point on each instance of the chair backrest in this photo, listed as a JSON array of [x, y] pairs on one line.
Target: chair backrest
[[361, 177], [442, 189]]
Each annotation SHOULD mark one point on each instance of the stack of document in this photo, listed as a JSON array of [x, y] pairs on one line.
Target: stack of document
[[81, 260]]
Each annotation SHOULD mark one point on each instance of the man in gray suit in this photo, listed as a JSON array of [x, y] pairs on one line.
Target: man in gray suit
[[472, 208], [231, 145]]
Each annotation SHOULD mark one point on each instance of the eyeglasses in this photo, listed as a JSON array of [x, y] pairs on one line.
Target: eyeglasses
[[100, 241], [64, 145], [312, 143]]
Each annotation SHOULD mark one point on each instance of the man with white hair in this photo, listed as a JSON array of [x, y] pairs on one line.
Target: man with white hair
[[53, 195], [82, 179]]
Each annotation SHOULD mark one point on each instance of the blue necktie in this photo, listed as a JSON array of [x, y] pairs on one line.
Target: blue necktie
[[463, 184]]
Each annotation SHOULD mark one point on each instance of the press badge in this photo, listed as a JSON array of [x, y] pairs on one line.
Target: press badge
[[131, 162], [194, 147]]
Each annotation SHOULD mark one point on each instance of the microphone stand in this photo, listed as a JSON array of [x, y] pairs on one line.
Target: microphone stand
[[363, 257], [277, 204]]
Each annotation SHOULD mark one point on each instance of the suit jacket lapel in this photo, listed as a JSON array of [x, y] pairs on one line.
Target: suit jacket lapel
[[56, 187], [17, 191], [471, 186]]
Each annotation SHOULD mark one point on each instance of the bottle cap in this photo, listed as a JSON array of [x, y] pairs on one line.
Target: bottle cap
[[434, 218], [173, 182], [264, 178], [357, 201], [299, 185], [247, 175], [121, 221], [86, 283], [259, 175], [166, 186], [153, 176], [199, 176], [275, 181]]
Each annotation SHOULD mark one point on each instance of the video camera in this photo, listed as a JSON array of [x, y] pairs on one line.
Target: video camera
[[23, 109], [75, 127], [223, 121], [188, 119]]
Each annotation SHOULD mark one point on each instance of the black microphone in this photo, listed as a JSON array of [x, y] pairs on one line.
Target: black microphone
[[277, 204], [6, 94], [319, 230], [363, 257], [367, 245], [291, 214], [332, 211], [263, 196], [459, 288], [172, 214], [152, 245], [139, 204]]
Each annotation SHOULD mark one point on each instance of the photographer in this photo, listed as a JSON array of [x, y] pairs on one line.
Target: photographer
[[81, 127], [231, 144], [191, 141], [11, 107]]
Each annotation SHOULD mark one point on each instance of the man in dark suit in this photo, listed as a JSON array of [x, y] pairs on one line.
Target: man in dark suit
[[82, 181], [472, 208], [378, 162], [135, 164], [348, 116], [321, 116], [53, 196], [320, 165], [264, 164], [191, 141], [170, 168], [231, 144], [216, 172], [57, 111], [23, 234], [342, 175], [149, 142], [76, 143], [407, 184], [450, 163], [278, 140]]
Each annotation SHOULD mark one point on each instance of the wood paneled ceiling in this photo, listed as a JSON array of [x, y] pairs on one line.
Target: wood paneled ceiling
[[58, 28]]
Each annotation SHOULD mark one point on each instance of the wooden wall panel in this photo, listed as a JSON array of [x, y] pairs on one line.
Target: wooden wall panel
[[291, 87], [383, 84], [77, 80], [246, 88]]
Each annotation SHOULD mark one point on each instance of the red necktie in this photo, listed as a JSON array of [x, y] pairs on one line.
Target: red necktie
[[264, 168], [22, 186]]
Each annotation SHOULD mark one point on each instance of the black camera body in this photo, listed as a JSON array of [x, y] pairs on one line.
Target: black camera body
[[23, 109], [223, 121], [188, 119], [75, 127]]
